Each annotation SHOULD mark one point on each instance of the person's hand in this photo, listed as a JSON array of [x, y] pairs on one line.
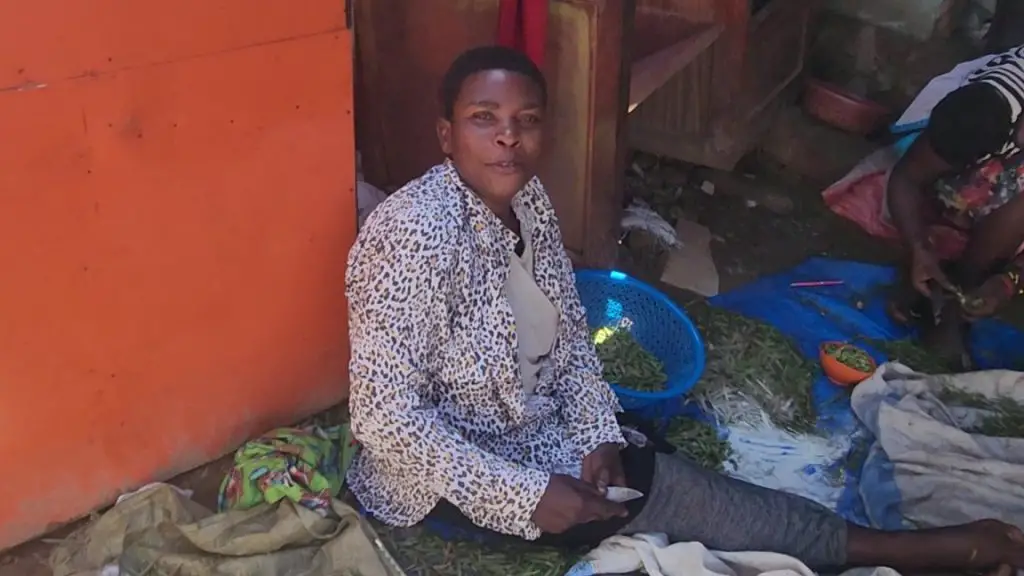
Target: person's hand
[[568, 502], [924, 268], [987, 299], [603, 468]]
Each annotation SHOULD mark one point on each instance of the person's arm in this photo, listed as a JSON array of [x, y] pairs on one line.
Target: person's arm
[[396, 290], [916, 170], [994, 240]]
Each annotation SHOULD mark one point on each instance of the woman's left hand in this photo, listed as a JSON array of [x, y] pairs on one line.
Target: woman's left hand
[[603, 467], [989, 297]]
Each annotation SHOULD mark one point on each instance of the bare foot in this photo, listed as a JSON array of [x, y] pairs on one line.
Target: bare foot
[[994, 543], [1002, 570], [979, 546], [905, 304], [948, 340], [898, 313]]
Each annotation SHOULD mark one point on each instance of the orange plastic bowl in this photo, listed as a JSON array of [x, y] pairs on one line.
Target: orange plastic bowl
[[843, 109], [840, 373]]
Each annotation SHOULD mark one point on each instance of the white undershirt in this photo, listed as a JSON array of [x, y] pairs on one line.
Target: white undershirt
[[536, 318]]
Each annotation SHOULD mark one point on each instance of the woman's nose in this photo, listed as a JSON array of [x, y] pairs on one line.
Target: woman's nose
[[508, 136]]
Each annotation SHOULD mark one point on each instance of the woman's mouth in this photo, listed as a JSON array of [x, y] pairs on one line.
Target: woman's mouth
[[509, 167]]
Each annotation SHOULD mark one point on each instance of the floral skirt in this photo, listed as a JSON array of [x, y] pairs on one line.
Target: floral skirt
[[968, 197]]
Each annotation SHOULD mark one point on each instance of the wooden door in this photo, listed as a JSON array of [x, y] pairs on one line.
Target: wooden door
[[177, 191]]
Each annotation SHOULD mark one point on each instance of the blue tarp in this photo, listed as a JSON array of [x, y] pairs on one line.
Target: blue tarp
[[851, 311]]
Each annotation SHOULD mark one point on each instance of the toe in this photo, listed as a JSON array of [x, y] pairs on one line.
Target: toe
[[1002, 570], [1016, 535], [1013, 543]]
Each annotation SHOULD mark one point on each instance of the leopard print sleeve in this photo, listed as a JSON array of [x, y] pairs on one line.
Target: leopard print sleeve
[[399, 274]]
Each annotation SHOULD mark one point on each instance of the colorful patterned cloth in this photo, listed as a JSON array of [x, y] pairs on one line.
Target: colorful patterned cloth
[[306, 466], [976, 193]]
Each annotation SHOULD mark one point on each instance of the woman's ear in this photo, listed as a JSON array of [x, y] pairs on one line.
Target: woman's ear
[[444, 135]]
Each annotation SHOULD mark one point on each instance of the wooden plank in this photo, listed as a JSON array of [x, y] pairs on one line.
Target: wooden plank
[[652, 72], [780, 32], [587, 69], [731, 53]]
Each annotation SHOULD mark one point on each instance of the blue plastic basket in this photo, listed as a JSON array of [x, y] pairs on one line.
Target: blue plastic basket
[[615, 300]]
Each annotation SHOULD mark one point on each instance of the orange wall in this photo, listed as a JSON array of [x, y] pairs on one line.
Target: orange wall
[[176, 206]]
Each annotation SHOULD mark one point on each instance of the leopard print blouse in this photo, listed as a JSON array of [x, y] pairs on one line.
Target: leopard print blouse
[[436, 397]]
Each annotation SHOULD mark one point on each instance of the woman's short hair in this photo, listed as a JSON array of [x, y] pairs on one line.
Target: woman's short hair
[[969, 124], [486, 58]]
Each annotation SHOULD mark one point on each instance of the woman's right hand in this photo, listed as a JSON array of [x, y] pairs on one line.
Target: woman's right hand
[[989, 297], [925, 268], [568, 502]]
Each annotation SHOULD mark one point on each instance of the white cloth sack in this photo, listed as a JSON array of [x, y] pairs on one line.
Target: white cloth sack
[[653, 554], [944, 474]]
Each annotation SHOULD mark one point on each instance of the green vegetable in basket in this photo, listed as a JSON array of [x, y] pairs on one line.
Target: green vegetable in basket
[[850, 356], [626, 362]]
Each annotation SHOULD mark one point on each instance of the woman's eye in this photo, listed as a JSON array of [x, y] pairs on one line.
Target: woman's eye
[[530, 119], [483, 115]]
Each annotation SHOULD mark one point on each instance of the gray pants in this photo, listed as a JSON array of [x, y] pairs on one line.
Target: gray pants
[[690, 503]]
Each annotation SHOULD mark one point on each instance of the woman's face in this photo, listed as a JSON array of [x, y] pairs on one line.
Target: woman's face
[[494, 136]]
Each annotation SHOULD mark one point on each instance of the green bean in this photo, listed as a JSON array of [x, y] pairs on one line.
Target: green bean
[[626, 362]]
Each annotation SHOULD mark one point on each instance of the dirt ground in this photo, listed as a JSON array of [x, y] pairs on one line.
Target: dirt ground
[[30, 559], [753, 241]]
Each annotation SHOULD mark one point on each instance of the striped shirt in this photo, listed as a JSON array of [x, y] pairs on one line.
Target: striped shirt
[[1006, 73]]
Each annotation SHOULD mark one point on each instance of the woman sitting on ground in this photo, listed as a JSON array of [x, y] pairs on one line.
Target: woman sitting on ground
[[476, 392], [966, 168]]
